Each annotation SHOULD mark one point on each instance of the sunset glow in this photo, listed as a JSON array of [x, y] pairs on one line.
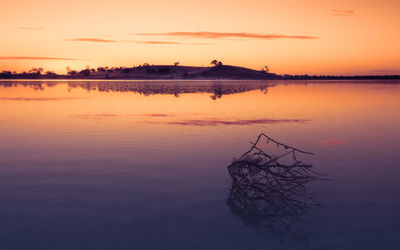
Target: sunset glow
[[294, 37]]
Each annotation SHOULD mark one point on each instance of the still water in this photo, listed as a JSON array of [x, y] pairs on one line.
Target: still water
[[143, 165]]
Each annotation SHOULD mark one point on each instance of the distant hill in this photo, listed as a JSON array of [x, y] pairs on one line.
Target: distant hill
[[153, 72], [178, 72]]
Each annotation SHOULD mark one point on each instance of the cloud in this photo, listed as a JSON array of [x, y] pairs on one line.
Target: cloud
[[161, 42], [94, 116], [37, 98], [213, 122], [156, 115], [30, 28], [223, 35], [150, 42], [35, 58], [96, 40], [343, 12], [156, 42], [110, 115], [99, 40]]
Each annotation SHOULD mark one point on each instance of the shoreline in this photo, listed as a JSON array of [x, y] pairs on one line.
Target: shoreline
[[337, 78], [173, 72]]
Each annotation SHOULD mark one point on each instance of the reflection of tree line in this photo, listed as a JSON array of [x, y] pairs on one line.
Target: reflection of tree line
[[36, 85], [216, 88]]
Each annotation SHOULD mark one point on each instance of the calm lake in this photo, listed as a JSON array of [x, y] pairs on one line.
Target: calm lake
[[143, 164]]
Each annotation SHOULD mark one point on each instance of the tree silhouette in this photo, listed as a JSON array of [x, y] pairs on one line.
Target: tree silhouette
[[50, 73], [72, 72], [36, 71], [216, 63], [85, 72]]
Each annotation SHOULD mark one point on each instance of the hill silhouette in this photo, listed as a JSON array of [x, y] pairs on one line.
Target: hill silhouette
[[176, 72]]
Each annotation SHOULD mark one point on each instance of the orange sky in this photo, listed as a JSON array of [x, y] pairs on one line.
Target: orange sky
[[296, 37]]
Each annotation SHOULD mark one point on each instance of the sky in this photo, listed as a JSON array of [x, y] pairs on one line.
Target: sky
[[290, 37]]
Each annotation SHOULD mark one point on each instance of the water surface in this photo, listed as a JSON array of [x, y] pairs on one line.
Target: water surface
[[142, 165]]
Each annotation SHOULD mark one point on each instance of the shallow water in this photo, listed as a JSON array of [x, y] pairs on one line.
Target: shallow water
[[142, 165]]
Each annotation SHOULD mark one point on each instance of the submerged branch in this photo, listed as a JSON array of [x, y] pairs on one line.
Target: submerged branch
[[276, 191]]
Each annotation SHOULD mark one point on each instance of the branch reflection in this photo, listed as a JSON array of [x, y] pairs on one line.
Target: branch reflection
[[269, 191]]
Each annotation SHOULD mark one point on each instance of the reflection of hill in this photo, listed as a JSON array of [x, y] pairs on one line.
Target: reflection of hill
[[216, 88]]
